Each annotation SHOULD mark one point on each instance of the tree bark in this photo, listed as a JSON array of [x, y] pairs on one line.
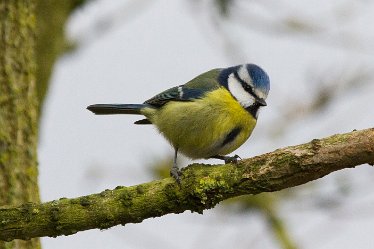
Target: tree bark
[[18, 109], [202, 187]]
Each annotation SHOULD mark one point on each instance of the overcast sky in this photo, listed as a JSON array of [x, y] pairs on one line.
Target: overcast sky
[[129, 51]]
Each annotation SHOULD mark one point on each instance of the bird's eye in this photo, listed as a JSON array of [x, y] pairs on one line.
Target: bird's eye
[[248, 88]]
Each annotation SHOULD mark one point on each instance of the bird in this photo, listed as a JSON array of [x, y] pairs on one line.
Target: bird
[[210, 116]]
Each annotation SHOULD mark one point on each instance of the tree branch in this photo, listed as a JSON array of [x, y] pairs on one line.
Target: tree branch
[[202, 188]]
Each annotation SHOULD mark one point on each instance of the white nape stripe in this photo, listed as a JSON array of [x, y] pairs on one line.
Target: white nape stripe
[[180, 91], [244, 75], [242, 96]]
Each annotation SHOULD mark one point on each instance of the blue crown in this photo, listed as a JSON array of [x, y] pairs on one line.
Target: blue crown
[[259, 77]]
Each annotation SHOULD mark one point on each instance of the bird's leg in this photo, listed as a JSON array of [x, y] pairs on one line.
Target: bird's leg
[[175, 172], [227, 159]]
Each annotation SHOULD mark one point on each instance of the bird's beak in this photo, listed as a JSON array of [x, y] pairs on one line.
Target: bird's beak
[[261, 102]]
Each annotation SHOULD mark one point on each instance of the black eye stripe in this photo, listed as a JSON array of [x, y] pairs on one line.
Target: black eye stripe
[[246, 87]]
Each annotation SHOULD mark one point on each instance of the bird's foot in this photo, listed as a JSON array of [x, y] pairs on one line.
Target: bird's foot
[[176, 174], [231, 159], [228, 159]]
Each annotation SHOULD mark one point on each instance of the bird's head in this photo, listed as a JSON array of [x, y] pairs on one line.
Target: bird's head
[[248, 84]]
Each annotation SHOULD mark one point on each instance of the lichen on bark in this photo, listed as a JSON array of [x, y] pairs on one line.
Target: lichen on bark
[[18, 109], [202, 187]]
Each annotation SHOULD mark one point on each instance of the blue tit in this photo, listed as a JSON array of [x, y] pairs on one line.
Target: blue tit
[[209, 116]]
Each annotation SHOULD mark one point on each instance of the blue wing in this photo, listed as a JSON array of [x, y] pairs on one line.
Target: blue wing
[[178, 93], [194, 89]]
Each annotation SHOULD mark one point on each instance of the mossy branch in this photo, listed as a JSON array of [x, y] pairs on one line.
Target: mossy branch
[[202, 188]]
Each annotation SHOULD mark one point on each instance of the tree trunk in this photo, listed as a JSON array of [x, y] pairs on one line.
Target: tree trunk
[[18, 109]]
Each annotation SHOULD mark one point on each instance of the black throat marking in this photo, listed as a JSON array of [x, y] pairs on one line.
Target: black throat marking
[[253, 109]]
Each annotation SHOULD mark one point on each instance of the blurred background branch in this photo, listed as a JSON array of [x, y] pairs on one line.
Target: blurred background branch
[[51, 42]]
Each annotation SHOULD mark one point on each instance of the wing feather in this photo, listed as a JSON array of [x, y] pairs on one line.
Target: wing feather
[[194, 89]]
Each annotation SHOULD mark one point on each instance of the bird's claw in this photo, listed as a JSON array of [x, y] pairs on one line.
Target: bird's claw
[[232, 159], [176, 174]]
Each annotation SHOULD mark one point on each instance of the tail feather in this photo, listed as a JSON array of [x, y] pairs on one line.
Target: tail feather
[[107, 109], [143, 121]]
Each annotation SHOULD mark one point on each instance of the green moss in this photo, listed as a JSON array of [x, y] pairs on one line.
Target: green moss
[[74, 201], [316, 144], [85, 201], [105, 193], [59, 228], [170, 192], [257, 164], [209, 191], [103, 226], [73, 231], [4, 222], [126, 198], [35, 211], [287, 158], [140, 190], [54, 214]]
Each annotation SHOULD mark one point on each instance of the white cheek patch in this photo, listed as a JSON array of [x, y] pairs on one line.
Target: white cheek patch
[[237, 90]]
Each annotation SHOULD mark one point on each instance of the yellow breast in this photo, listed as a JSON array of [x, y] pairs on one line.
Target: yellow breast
[[213, 125]]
